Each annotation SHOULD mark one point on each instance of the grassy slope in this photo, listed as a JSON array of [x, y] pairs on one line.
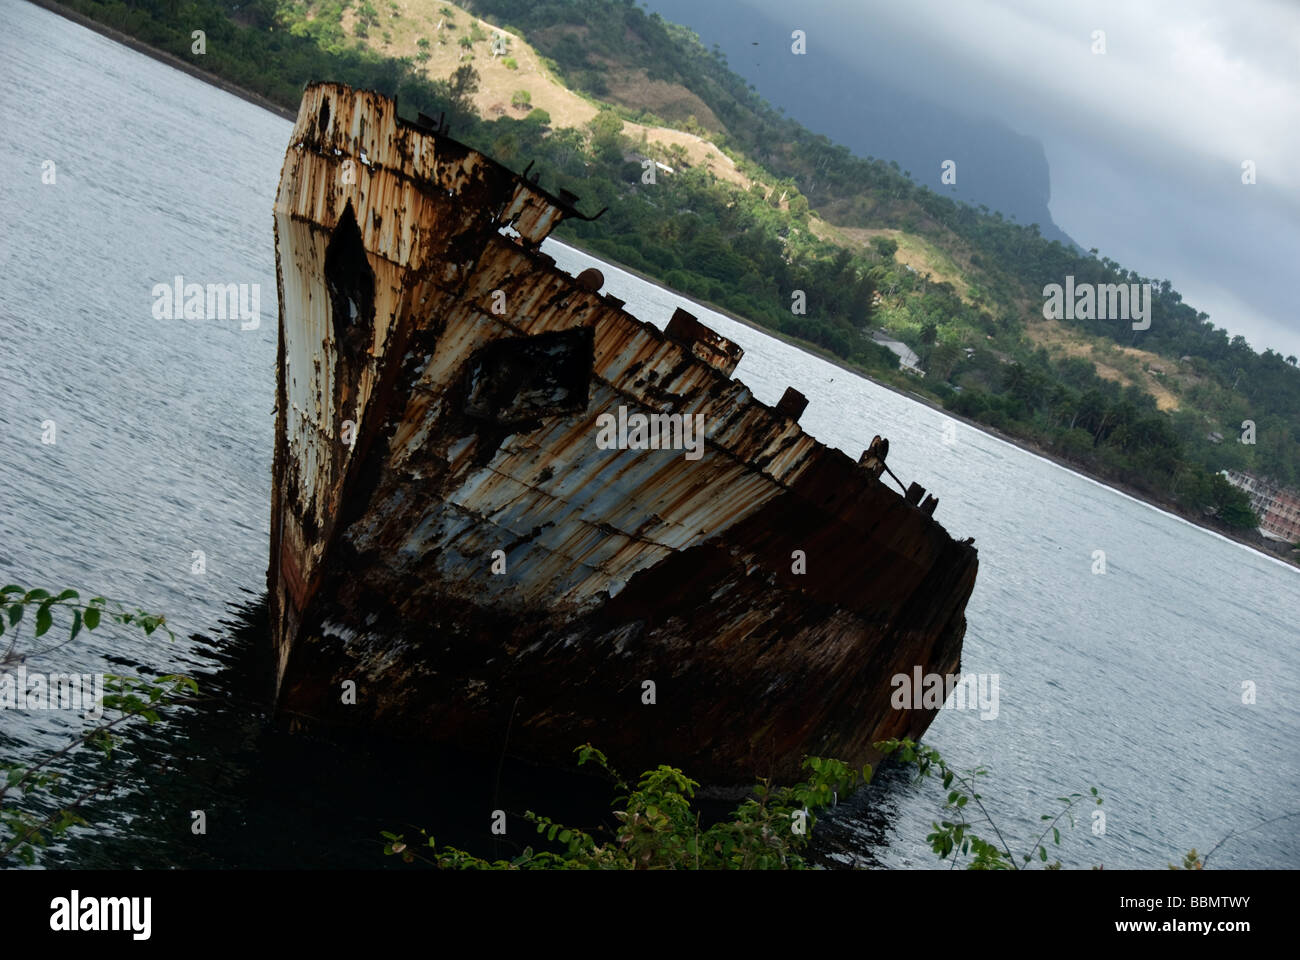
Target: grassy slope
[[632, 89], [991, 276], [931, 250], [498, 83]]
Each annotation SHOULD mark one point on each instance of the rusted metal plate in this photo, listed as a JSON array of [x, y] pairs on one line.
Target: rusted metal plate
[[715, 350], [450, 531]]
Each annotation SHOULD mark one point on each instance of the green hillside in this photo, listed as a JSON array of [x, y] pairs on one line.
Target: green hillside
[[763, 218]]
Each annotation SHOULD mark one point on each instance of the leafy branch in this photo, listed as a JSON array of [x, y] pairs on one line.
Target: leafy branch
[[659, 829], [34, 783], [951, 836], [16, 600]]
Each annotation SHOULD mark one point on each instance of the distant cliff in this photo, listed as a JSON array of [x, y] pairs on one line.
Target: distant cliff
[[871, 115]]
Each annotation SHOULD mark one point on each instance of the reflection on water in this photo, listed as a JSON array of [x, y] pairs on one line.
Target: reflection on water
[[275, 798]]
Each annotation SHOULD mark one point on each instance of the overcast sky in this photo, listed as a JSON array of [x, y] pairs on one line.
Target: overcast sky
[[1145, 142]]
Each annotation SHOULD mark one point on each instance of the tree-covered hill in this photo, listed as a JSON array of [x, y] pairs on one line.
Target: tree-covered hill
[[788, 230]]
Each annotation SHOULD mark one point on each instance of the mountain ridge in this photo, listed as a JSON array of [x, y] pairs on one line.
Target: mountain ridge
[[803, 237]]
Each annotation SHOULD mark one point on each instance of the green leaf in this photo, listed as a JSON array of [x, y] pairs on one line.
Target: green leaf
[[92, 618], [67, 595], [76, 624], [180, 682], [1056, 835], [43, 619], [35, 595], [15, 613], [10, 588], [1042, 854]]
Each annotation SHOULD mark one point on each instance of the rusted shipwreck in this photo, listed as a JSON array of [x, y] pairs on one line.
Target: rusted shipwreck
[[448, 534]]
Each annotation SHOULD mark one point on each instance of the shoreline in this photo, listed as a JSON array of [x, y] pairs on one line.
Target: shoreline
[[1255, 542], [163, 56]]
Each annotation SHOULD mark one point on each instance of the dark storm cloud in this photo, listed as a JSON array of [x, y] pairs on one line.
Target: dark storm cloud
[[1145, 142]]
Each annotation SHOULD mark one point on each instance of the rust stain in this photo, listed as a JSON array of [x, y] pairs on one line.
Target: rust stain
[[441, 389]]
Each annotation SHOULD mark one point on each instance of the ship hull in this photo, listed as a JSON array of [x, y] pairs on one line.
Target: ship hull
[[456, 557]]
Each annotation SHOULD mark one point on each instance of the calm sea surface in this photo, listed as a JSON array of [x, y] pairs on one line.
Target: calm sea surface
[[1130, 681]]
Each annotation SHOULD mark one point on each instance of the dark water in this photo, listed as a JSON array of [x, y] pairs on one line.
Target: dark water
[[1129, 681], [278, 799]]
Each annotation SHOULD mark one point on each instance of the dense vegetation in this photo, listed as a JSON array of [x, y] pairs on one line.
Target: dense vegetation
[[657, 827], [775, 253], [1060, 403]]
